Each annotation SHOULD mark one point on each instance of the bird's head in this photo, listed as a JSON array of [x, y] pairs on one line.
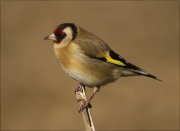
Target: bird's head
[[63, 34]]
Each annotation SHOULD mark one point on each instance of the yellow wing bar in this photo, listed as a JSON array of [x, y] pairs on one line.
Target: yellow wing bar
[[111, 60]]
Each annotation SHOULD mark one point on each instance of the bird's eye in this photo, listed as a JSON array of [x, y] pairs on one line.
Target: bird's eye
[[61, 36]]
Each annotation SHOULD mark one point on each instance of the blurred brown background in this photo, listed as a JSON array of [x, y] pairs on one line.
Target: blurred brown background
[[36, 94]]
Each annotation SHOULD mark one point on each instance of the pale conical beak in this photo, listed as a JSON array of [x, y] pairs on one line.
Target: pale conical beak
[[51, 37]]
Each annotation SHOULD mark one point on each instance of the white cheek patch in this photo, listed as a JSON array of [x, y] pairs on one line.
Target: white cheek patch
[[68, 31], [67, 39]]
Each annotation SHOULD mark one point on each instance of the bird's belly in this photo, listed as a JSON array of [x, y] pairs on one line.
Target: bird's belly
[[84, 78], [93, 74]]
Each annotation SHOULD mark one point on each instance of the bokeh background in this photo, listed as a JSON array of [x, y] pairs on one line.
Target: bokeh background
[[36, 94]]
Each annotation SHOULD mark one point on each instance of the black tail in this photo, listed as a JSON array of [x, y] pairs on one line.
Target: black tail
[[148, 75], [140, 71], [151, 76]]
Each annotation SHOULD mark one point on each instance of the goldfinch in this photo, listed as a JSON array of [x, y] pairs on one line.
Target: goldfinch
[[88, 59]]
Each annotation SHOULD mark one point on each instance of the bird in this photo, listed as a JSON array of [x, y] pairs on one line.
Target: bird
[[89, 60]]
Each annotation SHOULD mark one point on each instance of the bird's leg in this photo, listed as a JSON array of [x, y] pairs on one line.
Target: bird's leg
[[87, 103], [79, 88]]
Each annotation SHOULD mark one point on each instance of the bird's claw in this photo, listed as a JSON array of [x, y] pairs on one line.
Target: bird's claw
[[79, 88], [85, 104]]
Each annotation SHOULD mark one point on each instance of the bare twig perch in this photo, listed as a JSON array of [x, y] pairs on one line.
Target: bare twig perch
[[87, 119]]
